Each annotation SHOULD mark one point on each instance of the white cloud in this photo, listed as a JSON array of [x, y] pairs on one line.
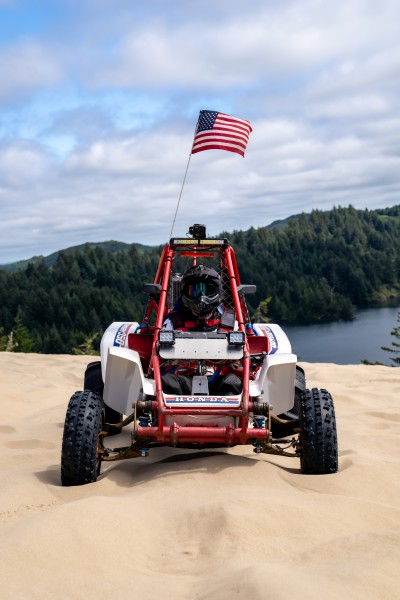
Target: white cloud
[[127, 188], [22, 164], [101, 114], [24, 66], [247, 45]]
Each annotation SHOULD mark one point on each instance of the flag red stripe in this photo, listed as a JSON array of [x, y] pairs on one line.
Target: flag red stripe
[[221, 143], [218, 147], [242, 122], [224, 123], [220, 134], [231, 126], [222, 131], [222, 128]]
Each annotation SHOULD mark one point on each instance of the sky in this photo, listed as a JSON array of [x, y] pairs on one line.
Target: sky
[[99, 101]]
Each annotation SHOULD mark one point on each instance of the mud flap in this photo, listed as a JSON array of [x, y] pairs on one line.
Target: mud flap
[[125, 381]]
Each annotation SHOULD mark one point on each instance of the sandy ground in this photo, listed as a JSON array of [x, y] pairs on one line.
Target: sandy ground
[[188, 525]]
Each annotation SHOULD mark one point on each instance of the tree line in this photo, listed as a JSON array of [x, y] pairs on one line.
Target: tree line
[[58, 309], [313, 268]]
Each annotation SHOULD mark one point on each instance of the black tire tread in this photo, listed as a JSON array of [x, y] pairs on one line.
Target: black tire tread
[[292, 416], [79, 461], [300, 379], [93, 381], [318, 436]]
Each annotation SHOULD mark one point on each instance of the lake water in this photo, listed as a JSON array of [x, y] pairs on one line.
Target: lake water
[[346, 342]]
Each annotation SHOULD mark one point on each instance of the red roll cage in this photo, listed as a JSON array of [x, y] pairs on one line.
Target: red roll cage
[[146, 344]]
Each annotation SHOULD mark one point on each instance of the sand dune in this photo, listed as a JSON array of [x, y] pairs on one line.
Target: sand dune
[[188, 525]]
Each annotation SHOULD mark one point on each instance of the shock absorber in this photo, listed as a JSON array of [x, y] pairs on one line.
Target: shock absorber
[[258, 422], [144, 421]]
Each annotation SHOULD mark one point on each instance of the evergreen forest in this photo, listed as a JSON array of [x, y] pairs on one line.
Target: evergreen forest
[[313, 267]]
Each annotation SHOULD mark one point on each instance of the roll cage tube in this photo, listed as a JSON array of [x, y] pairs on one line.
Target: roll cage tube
[[234, 282], [166, 259], [161, 264], [227, 260], [169, 254]]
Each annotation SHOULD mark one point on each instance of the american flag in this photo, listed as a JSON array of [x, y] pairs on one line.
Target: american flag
[[217, 131]]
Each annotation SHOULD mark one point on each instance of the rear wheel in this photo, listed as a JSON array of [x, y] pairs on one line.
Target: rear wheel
[[299, 388], [81, 445], [318, 438], [93, 381]]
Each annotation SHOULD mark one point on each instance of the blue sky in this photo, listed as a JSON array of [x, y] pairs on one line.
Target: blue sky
[[99, 100]]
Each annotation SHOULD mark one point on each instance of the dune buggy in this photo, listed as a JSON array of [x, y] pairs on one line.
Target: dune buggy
[[274, 412]]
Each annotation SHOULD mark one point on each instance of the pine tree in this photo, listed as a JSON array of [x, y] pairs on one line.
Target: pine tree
[[87, 346], [3, 340], [261, 314], [10, 346], [22, 339], [395, 346]]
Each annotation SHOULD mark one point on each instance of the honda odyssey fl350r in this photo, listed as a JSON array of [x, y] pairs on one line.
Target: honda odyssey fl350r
[[271, 410]]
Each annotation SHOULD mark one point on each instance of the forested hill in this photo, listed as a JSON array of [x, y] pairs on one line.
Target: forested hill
[[314, 267], [322, 265], [51, 259]]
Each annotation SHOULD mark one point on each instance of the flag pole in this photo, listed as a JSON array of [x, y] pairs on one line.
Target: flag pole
[[184, 179], [218, 131], [180, 195]]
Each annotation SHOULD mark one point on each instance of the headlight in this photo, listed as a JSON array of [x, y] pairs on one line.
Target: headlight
[[236, 338], [166, 338]]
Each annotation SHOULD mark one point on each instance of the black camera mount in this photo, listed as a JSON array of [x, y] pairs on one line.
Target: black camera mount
[[198, 231]]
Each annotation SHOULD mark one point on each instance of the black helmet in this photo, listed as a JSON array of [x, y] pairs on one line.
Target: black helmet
[[201, 290]]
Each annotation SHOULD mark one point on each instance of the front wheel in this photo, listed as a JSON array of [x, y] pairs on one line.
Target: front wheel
[[318, 438], [81, 445]]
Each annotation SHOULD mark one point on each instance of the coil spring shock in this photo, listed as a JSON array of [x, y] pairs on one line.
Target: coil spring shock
[[144, 421]]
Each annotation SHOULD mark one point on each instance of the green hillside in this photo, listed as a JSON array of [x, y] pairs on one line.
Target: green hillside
[[315, 267], [51, 259]]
